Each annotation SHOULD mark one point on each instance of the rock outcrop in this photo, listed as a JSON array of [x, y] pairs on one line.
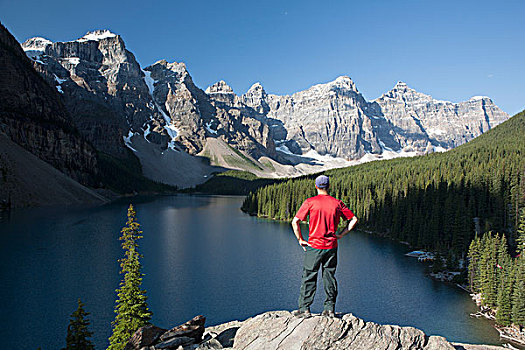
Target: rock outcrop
[[281, 330], [328, 118], [421, 120], [113, 101], [334, 119], [102, 85], [155, 338], [33, 115]]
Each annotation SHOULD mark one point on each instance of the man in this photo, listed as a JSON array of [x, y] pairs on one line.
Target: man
[[321, 247]]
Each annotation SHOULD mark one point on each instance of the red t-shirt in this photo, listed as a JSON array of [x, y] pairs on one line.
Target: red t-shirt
[[325, 212]]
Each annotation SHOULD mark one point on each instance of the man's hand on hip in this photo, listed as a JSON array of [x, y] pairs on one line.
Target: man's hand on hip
[[303, 244]]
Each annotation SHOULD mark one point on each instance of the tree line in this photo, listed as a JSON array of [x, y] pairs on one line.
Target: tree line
[[498, 276], [434, 202]]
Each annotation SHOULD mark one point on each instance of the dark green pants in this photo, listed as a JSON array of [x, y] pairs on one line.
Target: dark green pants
[[326, 259]]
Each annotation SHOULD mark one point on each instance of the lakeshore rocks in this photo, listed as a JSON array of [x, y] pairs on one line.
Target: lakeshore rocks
[[460, 346], [194, 329], [281, 330], [144, 337], [155, 338]]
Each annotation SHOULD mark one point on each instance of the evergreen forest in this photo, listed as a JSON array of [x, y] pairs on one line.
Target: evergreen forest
[[434, 202], [499, 278]]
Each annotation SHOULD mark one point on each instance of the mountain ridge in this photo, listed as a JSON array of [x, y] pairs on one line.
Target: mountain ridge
[[327, 125]]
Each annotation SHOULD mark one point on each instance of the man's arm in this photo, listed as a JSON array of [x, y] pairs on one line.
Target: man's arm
[[351, 225], [297, 230]]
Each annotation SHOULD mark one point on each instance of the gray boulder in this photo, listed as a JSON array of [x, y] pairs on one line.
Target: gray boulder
[[281, 330], [144, 337]]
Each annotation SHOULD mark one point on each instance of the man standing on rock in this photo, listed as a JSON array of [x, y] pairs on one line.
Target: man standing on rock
[[321, 248]]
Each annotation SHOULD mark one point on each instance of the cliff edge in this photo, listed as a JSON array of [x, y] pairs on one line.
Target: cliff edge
[[281, 330]]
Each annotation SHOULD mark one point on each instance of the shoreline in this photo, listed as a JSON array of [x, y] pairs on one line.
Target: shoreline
[[509, 333]]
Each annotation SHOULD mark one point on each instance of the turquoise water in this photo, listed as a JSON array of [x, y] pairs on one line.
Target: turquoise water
[[202, 255]]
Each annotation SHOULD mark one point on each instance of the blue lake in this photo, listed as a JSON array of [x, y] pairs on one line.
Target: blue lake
[[202, 255]]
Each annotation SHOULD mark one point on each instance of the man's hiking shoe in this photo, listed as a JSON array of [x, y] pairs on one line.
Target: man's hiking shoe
[[302, 313], [328, 313]]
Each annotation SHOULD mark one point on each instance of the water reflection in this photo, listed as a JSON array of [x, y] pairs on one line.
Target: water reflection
[[202, 256]]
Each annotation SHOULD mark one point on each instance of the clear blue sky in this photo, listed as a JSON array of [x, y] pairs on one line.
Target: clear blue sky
[[451, 50]]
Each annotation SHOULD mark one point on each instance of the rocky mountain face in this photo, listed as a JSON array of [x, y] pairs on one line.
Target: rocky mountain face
[[114, 103], [113, 99], [34, 117], [328, 118], [335, 119], [420, 118], [102, 85], [240, 124], [27, 180], [196, 115]]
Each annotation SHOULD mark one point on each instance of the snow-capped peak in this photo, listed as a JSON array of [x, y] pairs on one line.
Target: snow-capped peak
[[344, 82], [344, 78], [36, 44], [219, 87], [400, 89], [401, 85], [97, 35], [256, 87], [476, 98], [256, 90]]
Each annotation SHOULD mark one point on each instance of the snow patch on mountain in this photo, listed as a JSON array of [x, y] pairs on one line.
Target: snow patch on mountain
[[150, 82], [97, 35], [477, 98], [208, 127], [281, 147], [59, 83], [128, 142], [323, 158], [37, 44], [169, 127], [383, 146], [72, 60], [435, 131]]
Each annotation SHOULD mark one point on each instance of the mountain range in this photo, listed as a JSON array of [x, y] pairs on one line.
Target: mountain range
[[182, 134]]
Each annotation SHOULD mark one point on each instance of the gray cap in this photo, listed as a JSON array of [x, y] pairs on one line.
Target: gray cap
[[322, 181]]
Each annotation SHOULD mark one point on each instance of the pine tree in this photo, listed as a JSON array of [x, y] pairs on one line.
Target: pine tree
[[488, 269], [131, 308], [504, 312], [78, 334], [518, 297], [474, 254], [520, 233]]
